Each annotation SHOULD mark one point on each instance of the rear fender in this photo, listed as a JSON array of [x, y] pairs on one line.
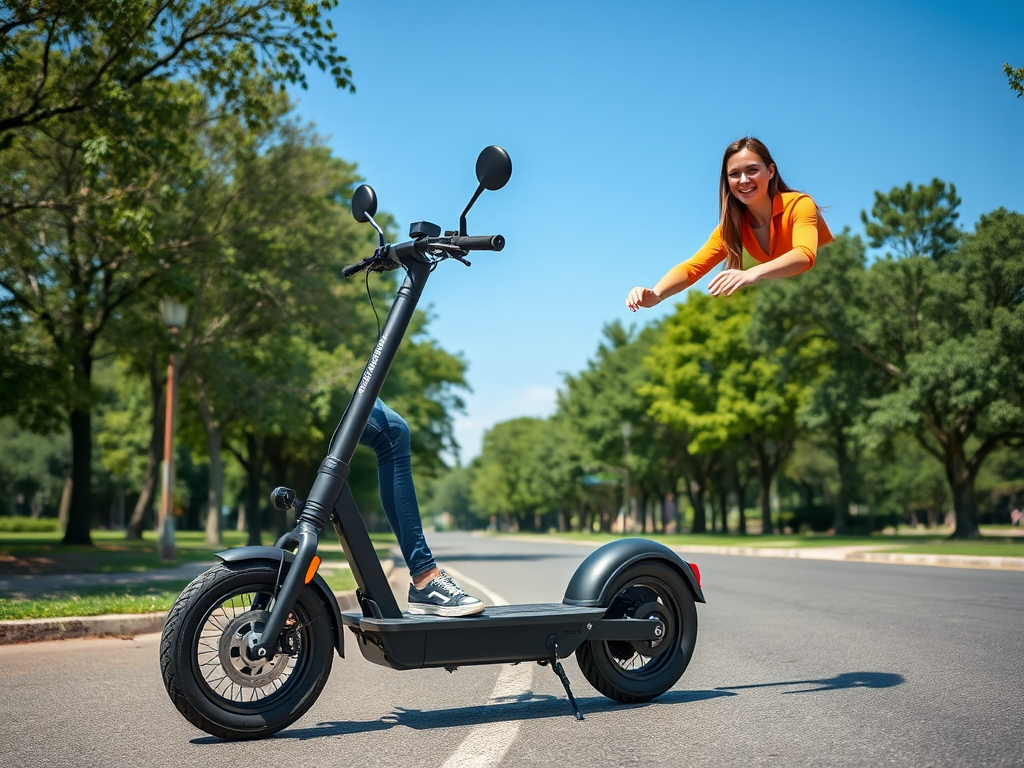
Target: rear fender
[[272, 556], [589, 585]]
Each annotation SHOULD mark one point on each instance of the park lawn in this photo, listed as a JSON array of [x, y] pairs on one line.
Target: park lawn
[[779, 541], [990, 546], [95, 601], [926, 543], [139, 598], [39, 553]]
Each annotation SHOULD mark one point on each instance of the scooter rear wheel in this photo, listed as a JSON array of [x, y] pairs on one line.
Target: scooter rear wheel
[[203, 662], [634, 672]]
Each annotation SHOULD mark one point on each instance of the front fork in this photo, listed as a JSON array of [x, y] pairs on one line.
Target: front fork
[[306, 537]]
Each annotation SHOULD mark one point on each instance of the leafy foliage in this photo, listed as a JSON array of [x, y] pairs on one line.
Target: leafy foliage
[[915, 221]]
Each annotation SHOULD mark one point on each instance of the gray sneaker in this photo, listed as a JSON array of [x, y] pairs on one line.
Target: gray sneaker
[[443, 597]]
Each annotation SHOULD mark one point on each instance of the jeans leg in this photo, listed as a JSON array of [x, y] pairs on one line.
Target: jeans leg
[[388, 435]]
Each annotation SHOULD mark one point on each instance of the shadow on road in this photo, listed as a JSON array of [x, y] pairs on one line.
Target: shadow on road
[[528, 706], [839, 682]]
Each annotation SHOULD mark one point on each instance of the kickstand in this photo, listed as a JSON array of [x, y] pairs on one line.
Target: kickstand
[[556, 665]]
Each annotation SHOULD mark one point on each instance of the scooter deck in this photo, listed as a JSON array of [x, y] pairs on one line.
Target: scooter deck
[[501, 634]]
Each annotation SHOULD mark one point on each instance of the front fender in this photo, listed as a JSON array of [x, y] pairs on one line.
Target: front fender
[[588, 584], [272, 556]]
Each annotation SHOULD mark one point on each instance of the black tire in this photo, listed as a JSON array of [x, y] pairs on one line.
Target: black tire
[[638, 672], [207, 679]]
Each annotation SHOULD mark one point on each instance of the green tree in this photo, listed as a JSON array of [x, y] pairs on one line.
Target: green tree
[[1015, 77], [502, 472], [709, 380], [32, 469], [96, 150], [451, 493], [59, 59], [819, 313], [599, 402], [71, 269], [950, 336], [913, 221]]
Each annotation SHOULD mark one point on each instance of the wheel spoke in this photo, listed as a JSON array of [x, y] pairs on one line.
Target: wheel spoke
[[220, 651]]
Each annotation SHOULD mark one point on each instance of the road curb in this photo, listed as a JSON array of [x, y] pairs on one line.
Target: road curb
[[851, 554], [866, 554], [942, 561], [124, 625]]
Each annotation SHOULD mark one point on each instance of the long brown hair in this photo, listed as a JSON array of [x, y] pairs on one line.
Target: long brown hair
[[731, 210]]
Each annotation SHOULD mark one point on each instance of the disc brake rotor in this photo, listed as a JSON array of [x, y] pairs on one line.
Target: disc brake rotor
[[237, 665]]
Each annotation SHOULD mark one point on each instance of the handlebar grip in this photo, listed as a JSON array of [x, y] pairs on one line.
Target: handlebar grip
[[479, 242], [354, 269]]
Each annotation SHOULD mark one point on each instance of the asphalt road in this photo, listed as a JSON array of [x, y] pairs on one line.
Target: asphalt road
[[798, 663]]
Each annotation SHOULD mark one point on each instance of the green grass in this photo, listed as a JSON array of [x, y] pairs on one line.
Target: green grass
[[95, 601], [42, 553], [139, 598], [723, 540], [910, 542], [1008, 546], [112, 553]]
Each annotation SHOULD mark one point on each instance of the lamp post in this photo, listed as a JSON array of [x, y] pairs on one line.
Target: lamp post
[[627, 428], [174, 315]]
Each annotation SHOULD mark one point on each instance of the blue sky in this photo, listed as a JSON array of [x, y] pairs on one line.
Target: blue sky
[[616, 114]]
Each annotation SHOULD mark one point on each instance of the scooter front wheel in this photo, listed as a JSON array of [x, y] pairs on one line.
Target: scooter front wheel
[[633, 672], [205, 669]]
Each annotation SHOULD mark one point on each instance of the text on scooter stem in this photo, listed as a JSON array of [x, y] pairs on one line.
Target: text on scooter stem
[[373, 363]]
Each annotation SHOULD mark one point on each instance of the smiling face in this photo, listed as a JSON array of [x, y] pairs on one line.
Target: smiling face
[[748, 177]]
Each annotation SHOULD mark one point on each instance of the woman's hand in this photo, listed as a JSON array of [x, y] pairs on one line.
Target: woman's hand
[[642, 297], [728, 280]]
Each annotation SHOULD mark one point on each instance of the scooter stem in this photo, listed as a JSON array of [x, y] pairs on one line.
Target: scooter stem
[[333, 473]]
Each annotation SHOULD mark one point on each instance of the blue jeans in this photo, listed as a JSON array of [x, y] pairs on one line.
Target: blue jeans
[[388, 434]]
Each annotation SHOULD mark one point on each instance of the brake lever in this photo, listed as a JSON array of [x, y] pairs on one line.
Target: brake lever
[[451, 252]]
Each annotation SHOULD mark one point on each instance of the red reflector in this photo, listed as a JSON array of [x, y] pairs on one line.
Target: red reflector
[[696, 573]]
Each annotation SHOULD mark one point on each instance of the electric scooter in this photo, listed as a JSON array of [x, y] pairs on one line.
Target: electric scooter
[[248, 645]]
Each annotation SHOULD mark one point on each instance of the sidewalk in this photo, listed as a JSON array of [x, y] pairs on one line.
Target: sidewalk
[[111, 625]]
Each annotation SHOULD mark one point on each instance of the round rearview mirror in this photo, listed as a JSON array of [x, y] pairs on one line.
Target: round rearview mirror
[[493, 168], [364, 203]]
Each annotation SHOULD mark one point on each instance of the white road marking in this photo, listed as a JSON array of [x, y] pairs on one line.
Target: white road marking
[[487, 744], [475, 586]]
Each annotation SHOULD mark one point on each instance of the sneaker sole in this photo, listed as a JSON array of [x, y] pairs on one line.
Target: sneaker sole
[[451, 612]]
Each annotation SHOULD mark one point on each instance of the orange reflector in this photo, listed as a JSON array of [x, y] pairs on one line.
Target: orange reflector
[[696, 572], [312, 568]]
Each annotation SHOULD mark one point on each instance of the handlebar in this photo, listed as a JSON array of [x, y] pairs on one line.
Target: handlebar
[[479, 242], [390, 256], [354, 269]]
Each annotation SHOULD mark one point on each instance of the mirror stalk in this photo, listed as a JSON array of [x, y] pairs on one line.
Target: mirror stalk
[[380, 232], [462, 218]]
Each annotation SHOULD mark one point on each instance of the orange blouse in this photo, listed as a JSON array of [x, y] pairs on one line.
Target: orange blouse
[[795, 225]]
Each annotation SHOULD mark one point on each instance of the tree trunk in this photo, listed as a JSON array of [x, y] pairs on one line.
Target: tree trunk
[[841, 523], [215, 492], [65, 503], [214, 446], [961, 482], [143, 512], [722, 497], [740, 493], [695, 490], [80, 510], [253, 497], [764, 488]]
